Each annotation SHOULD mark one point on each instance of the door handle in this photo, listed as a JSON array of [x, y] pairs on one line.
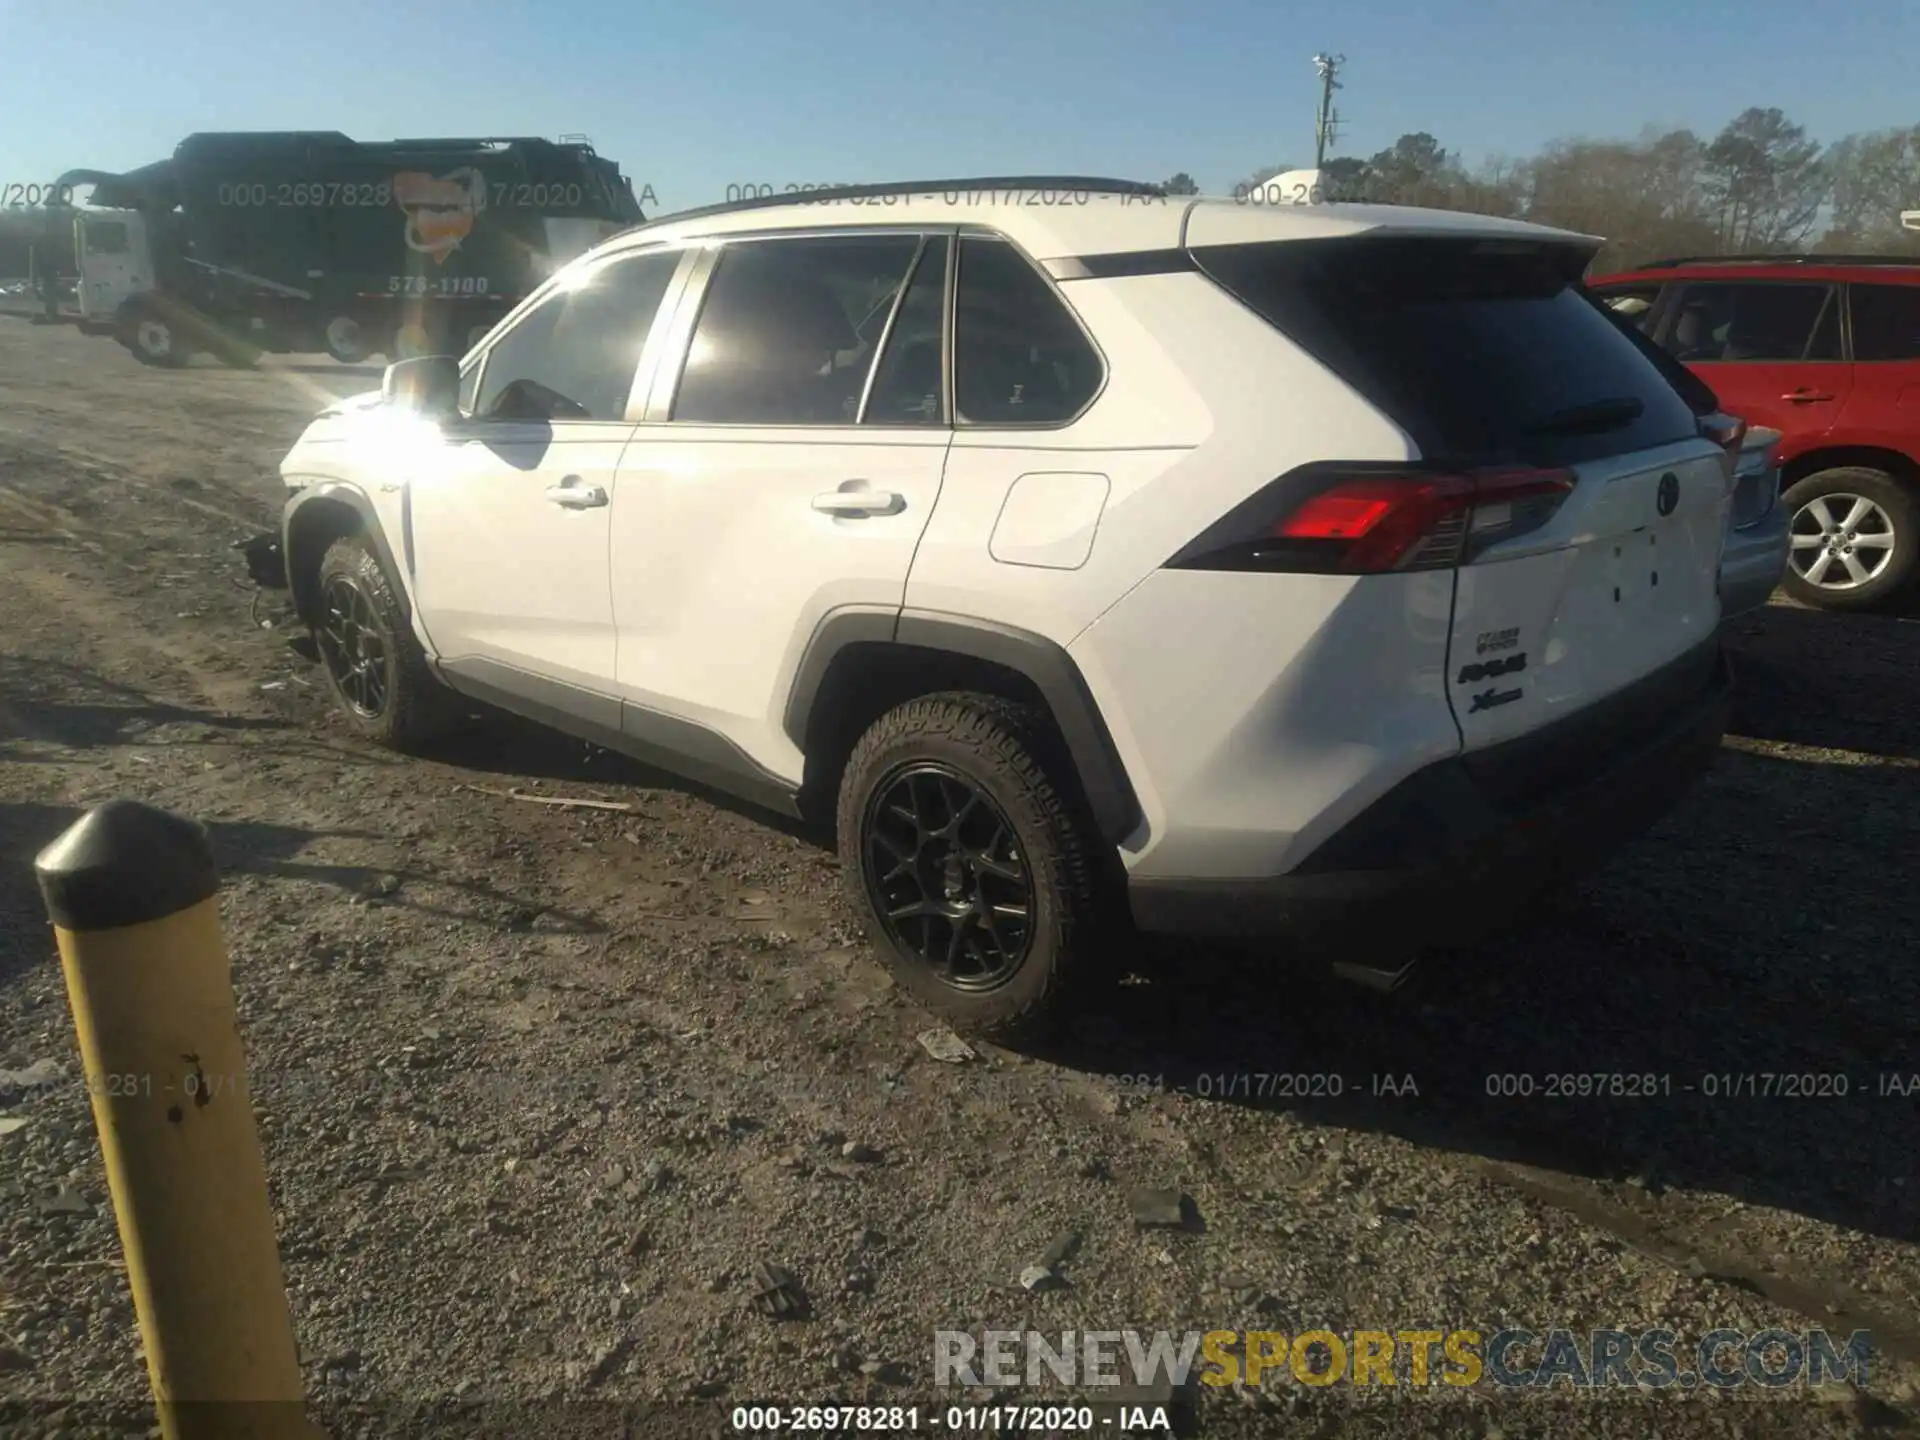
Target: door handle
[[1805, 397], [577, 497], [855, 503]]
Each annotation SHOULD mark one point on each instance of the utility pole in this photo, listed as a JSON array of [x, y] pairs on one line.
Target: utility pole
[[1326, 123]]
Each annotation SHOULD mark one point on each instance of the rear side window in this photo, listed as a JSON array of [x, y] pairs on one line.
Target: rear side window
[[1480, 350], [788, 329], [1019, 356], [1714, 323], [907, 385], [1632, 303], [1886, 322]]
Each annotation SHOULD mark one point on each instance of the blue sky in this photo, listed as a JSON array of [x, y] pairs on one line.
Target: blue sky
[[692, 97]]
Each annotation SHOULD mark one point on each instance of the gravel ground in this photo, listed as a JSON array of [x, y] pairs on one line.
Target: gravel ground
[[540, 1087]]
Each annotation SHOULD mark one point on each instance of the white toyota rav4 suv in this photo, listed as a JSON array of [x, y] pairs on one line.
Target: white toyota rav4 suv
[[1085, 554]]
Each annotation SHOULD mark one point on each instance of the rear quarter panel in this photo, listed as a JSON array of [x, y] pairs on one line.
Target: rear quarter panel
[[1204, 403]]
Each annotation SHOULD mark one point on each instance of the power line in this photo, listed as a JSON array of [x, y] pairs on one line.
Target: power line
[[1326, 123]]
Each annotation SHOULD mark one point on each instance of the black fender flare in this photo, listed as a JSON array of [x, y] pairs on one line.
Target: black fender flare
[[326, 494], [1044, 664]]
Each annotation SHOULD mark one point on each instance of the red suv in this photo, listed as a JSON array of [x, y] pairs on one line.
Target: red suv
[[1826, 350]]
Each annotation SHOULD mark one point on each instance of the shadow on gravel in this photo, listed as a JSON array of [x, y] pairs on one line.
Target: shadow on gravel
[[43, 700], [493, 742], [47, 702], [28, 827], [1746, 972], [275, 852]]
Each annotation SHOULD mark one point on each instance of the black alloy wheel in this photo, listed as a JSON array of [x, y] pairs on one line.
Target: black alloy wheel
[[355, 646], [946, 877]]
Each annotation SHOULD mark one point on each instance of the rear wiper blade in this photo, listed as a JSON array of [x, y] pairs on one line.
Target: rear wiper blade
[[1590, 418]]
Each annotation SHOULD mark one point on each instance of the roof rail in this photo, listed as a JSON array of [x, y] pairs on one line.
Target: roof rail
[[456, 142], [1091, 183], [1793, 259]]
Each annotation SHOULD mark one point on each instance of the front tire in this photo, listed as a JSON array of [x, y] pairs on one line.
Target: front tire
[[1855, 538], [156, 341], [972, 861], [373, 664]]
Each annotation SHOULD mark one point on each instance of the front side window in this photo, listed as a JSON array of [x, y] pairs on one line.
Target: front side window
[[106, 237], [1886, 322], [1019, 356], [573, 357], [1755, 323], [788, 330]]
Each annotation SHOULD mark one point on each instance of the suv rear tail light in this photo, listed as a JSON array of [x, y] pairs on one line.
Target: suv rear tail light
[[1725, 431], [1729, 433], [1395, 519]]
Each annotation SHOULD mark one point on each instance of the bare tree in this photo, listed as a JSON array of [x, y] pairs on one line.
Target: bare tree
[[1761, 184], [1646, 198], [1767, 181], [1875, 176], [1499, 187]]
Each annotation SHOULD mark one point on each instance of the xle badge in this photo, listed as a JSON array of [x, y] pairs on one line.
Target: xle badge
[[1668, 499], [1488, 699]]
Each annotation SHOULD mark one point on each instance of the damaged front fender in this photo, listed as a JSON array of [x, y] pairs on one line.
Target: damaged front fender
[[266, 560]]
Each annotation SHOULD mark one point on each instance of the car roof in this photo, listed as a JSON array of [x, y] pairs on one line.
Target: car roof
[[1069, 219], [1879, 269]]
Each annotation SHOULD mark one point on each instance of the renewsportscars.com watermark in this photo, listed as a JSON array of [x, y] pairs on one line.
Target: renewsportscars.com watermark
[[1507, 1359]]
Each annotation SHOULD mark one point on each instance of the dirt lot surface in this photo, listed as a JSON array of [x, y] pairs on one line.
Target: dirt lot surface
[[540, 1087]]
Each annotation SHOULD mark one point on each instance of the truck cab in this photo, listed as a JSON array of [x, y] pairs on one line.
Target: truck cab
[[115, 263]]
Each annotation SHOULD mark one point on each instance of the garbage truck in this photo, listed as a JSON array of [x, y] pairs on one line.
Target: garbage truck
[[304, 241]]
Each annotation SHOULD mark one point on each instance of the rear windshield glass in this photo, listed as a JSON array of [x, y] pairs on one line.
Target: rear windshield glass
[[1481, 351]]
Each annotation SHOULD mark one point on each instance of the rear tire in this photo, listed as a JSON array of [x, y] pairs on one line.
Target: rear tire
[[1855, 538], [346, 340], [964, 804], [374, 666]]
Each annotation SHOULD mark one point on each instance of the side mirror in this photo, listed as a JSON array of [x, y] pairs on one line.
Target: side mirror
[[429, 385]]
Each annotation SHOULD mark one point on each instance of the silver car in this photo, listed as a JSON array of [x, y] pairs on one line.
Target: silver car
[[1755, 556]]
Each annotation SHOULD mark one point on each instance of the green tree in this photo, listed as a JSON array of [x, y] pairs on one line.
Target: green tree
[[1415, 170], [1767, 181], [1347, 178], [1258, 178], [1181, 184]]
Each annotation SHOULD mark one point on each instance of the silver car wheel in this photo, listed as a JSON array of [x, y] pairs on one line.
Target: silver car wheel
[[1841, 541]]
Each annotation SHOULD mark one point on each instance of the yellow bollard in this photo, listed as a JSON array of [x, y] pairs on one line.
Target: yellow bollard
[[130, 890]]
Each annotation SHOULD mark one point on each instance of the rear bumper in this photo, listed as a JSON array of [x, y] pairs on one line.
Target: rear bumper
[[1453, 851], [1752, 563]]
